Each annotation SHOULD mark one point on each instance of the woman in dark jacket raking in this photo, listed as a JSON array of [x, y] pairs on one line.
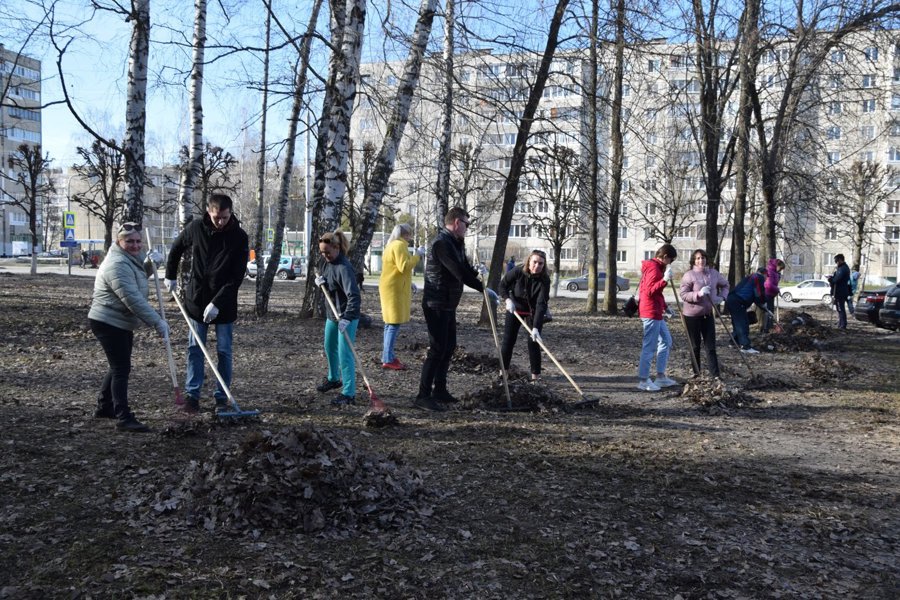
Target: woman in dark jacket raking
[[526, 290]]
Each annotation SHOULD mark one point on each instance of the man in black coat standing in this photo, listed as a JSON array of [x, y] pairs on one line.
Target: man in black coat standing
[[840, 289], [446, 271], [219, 251]]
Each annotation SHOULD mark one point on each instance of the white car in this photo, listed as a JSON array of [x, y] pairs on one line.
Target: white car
[[810, 289]]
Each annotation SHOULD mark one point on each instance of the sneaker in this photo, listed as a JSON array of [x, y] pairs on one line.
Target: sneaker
[[443, 396], [428, 403], [663, 381], [395, 365], [648, 386], [341, 400], [749, 350], [104, 412], [328, 385], [131, 424]]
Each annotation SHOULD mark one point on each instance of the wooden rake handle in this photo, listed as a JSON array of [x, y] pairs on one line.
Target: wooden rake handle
[[550, 354]]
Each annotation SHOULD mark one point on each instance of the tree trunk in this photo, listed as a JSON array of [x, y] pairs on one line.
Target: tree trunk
[[136, 110], [593, 161], [191, 172], [610, 306], [387, 155], [442, 204]]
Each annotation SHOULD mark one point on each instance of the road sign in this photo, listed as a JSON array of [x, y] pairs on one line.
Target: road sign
[[70, 234], [270, 235], [68, 219], [68, 244]]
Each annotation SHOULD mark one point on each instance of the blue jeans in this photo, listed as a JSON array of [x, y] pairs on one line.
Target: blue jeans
[[657, 340], [195, 372], [390, 338], [341, 366], [739, 322]]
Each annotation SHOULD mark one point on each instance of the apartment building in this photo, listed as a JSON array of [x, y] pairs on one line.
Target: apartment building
[[20, 122], [849, 119]]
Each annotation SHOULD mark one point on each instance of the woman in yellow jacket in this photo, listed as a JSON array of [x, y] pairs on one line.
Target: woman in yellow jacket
[[395, 289]]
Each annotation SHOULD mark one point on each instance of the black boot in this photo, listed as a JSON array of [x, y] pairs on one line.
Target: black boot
[[131, 424]]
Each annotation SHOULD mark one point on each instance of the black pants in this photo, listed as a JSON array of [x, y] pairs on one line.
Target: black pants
[[117, 344], [511, 334], [441, 344], [704, 327], [840, 304]]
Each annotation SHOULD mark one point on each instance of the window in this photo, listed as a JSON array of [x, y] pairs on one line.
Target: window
[[568, 254], [890, 258], [868, 106], [24, 113], [509, 139], [895, 101], [867, 133], [834, 133], [837, 56], [682, 232], [896, 74], [650, 160], [653, 65], [835, 108], [894, 129], [893, 207], [651, 210], [621, 256], [626, 185], [868, 81], [649, 254], [521, 207], [833, 158], [834, 82], [15, 133], [830, 233], [518, 231], [894, 154], [623, 233], [871, 53], [867, 157], [892, 233], [543, 207]]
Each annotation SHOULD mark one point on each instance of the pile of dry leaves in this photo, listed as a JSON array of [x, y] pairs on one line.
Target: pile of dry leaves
[[297, 479], [797, 332], [827, 369], [715, 393], [523, 395]]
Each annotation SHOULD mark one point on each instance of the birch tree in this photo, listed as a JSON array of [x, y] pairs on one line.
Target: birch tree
[[445, 145], [387, 154], [136, 109], [191, 170]]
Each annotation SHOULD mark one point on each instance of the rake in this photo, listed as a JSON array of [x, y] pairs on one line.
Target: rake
[[503, 373], [179, 399], [235, 412], [687, 333], [553, 358], [374, 401], [731, 335]]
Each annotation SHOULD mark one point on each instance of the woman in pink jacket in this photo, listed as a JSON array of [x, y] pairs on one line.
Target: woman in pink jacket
[[774, 269], [701, 288], [657, 340]]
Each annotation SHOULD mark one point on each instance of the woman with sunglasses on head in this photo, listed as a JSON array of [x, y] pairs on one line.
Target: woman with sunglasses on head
[[118, 306], [701, 289], [339, 279], [526, 290]]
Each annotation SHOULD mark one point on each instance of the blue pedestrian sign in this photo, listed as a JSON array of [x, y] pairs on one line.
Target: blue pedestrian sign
[[68, 244], [68, 219], [70, 234]]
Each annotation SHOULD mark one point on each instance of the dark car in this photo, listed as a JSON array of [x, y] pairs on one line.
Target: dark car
[[889, 315], [868, 307]]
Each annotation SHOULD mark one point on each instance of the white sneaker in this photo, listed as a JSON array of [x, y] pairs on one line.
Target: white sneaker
[[648, 386], [749, 350], [663, 381]]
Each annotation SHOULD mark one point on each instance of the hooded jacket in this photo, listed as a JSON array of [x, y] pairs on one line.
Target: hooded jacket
[[530, 293], [218, 264], [340, 279], [446, 270], [651, 304], [120, 292], [750, 290], [772, 279], [693, 281]]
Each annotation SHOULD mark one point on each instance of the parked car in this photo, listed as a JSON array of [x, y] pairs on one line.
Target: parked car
[[890, 311], [868, 307], [581, 283], [289, 267], [810, 289]]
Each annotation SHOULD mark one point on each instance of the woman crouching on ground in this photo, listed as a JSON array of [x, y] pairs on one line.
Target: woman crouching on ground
[[118, 306], [526, 290], [339, 280]]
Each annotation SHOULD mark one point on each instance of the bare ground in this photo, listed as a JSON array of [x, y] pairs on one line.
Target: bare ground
[[780, 486]]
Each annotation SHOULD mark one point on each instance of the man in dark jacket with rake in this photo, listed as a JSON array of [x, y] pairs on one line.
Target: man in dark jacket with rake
[[219, 252]]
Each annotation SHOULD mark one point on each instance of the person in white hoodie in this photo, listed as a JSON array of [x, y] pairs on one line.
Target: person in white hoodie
[[118, 307]]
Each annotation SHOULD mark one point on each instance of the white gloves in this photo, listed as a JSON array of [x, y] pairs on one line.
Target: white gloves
[[421, 250], [162, 328], [155, 256], [343, 324], [482, 269], [536, 335], [320, 281], [414, 288], [667, 276], [171, 285], [668, 314], [493, 296], [704, 291], [210, 314], [510, 306]]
